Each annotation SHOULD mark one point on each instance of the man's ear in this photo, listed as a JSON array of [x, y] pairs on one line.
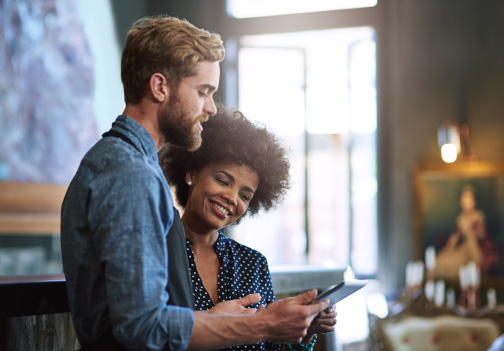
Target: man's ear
[[159, 87]]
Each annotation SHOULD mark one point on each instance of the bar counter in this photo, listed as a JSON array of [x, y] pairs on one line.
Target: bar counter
[[29, 295]]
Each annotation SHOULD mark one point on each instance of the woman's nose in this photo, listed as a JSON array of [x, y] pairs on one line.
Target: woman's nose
[[231, 197]]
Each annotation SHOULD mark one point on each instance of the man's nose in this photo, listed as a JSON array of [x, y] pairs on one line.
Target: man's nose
[[210, 108]]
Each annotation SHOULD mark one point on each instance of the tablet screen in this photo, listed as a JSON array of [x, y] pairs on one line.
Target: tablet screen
[[338, 292]]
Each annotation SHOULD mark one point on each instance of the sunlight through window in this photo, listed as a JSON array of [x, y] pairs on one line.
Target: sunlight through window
[[317, 91]]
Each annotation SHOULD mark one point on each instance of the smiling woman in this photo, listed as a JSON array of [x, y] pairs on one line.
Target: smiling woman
[[230, 138], [239, 169]]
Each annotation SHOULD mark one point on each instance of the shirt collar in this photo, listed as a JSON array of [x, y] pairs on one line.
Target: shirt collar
[[137, 134], [219, 246]]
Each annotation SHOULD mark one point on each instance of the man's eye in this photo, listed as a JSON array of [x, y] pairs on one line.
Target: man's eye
[[203, 94]]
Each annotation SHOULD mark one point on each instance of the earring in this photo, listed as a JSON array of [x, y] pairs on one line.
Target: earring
[[189, 183]]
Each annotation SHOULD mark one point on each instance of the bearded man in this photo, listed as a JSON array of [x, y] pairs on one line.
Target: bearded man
[[118, 210]]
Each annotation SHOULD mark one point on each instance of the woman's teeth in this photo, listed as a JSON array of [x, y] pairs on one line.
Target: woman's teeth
[[222, 209]]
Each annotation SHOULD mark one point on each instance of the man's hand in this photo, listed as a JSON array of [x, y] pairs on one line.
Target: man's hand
[[237, 306], [287, 320]]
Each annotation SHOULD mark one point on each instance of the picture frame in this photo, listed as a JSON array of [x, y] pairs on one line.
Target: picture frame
[[458, 234]]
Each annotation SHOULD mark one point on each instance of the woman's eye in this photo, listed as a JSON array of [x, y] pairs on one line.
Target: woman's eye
[[203, 93], [245, 197], [221, 181]]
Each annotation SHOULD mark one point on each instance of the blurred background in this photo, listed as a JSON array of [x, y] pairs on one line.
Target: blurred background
[[356, 89]]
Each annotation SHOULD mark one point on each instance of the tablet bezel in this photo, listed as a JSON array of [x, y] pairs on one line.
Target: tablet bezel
[[341, 290]]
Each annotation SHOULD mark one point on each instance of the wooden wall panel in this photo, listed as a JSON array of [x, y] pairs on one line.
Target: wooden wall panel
[[30, 208], [18, 333], [49, 332]]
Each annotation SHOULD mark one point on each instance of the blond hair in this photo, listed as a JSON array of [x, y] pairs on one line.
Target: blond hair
[[167, 45]]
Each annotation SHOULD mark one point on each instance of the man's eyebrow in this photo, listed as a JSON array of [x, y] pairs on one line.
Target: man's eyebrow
[[210, 87], [233, 178]]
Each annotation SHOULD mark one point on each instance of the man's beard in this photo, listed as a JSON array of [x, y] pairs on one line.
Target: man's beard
[[178, 127]]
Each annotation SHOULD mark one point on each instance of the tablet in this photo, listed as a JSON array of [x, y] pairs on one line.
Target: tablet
[[338, 292]]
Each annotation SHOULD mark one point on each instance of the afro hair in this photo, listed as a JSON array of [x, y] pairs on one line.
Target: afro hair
[[230, 138]]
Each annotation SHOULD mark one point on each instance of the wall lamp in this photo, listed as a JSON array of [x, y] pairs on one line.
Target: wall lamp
[[453, 140]]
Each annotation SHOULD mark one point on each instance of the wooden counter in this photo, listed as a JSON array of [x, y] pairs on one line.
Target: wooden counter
[[34, 314]]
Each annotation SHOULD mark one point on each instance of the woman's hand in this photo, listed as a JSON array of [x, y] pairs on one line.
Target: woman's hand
[[238, 306], [324, 322]]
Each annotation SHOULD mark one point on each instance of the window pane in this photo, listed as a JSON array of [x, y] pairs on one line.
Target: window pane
[[362, 96], [261, 8], [328, 199], [270, 77]]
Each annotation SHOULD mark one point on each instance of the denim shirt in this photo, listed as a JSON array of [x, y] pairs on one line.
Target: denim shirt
[[114, 221]]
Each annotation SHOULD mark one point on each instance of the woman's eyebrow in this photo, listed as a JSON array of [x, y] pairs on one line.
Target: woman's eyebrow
[[226, 174], [249, 190]]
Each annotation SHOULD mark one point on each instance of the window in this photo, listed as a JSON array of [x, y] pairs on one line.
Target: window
[[317, 91]]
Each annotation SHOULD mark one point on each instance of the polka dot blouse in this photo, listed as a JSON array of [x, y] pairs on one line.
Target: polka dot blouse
[[243, 271]]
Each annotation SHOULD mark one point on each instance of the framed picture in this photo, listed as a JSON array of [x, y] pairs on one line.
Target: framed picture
[[459, 210]]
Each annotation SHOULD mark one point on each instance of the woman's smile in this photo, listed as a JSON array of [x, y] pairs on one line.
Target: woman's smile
[[220, 210], [220, 194]]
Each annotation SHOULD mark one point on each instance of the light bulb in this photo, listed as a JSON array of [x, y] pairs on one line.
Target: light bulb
[[449, 153]]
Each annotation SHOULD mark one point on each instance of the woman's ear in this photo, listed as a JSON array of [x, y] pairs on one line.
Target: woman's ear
[[159, 87], [189, 177]]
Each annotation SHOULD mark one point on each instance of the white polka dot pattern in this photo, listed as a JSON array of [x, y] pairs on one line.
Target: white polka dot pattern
[[243, 271]]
